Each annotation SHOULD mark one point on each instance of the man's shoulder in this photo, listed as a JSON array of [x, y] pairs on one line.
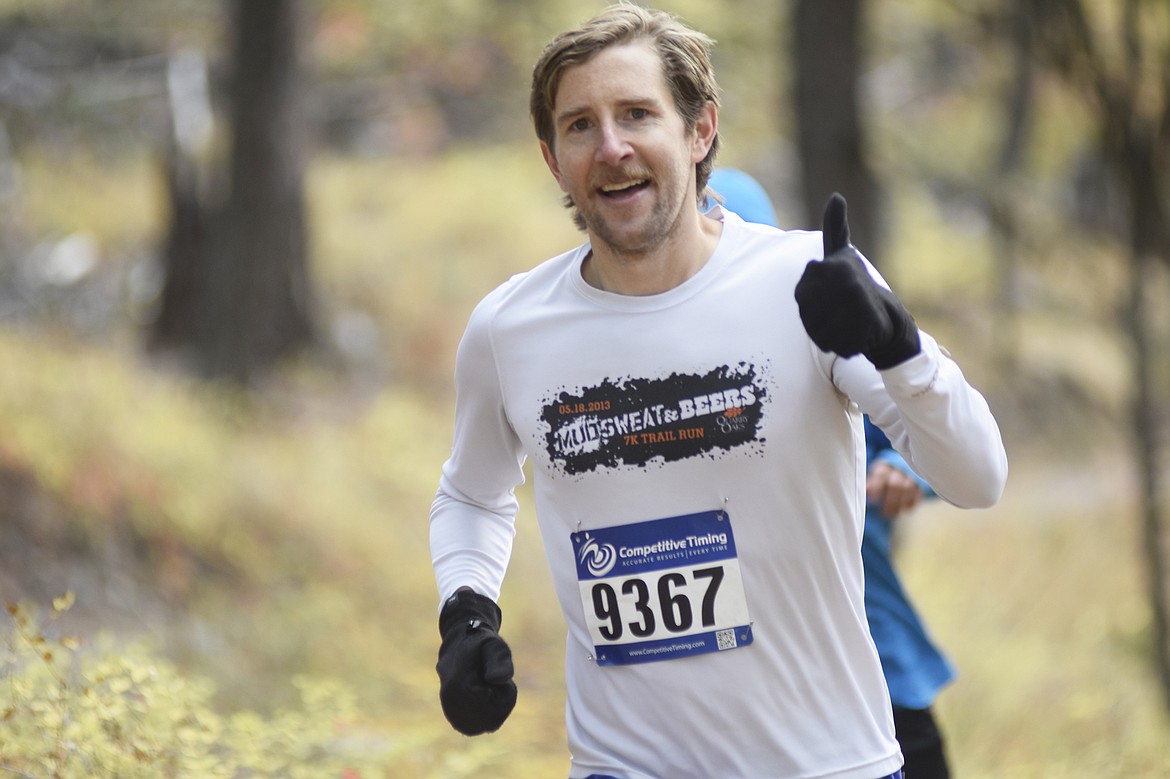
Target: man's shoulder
[[801, 244], [755, 238], [540, 283], [760, 251]]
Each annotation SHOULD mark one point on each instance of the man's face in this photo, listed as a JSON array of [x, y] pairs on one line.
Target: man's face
[[622, 151]]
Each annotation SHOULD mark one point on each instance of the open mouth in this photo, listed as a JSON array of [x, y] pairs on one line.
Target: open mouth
[[624, 188]]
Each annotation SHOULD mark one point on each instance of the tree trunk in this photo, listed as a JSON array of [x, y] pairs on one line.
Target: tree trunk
[[237, 295], [191, 129], [1133, 138], [1153, 534], [255, 304], [1140, 167], [175, 325], [1004, 195], [831, 136]]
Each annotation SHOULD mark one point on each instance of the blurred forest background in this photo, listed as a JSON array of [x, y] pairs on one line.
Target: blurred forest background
[[238, 245]]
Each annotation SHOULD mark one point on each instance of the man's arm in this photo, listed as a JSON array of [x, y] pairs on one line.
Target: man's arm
[[911, 389], [472, 526], [474, 511], [935, 419]]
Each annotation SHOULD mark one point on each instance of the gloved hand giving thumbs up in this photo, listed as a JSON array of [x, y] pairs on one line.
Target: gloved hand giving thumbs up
[[844, 310]]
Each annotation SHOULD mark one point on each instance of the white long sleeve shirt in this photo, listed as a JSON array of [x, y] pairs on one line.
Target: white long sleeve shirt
[[699, 481]]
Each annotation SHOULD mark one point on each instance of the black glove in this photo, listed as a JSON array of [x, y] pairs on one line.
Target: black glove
[[475, 664], [844, 310]]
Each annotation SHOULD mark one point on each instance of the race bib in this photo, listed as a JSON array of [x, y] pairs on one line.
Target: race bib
[[662, 589]]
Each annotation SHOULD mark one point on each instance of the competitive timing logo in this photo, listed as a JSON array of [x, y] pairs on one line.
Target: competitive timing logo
[[598, 558], [632, 421]]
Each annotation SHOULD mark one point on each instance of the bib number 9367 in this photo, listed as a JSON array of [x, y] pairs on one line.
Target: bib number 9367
[[662, 589], [672, 602]]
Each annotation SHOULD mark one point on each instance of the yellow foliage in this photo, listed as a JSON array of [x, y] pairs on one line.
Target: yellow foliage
[[123, 711]]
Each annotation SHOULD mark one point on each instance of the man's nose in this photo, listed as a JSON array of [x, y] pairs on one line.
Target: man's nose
[[613, 145]]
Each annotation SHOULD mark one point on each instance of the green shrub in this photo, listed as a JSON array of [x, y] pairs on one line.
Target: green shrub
[[70, 710]]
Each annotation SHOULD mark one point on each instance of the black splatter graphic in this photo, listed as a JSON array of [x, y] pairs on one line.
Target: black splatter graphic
[[631, 421]]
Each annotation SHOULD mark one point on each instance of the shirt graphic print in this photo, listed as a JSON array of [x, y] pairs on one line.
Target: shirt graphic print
[[631, 421]]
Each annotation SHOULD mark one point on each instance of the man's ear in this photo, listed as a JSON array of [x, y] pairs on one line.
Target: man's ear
[[550, 159], [706, 129]]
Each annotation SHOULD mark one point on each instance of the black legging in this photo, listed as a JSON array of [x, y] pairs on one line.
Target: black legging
[[922, 744]]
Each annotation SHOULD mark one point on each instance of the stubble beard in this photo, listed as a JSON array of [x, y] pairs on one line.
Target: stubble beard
[[656, 229]]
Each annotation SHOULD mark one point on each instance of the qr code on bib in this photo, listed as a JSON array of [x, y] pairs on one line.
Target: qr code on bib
[[725, 639]]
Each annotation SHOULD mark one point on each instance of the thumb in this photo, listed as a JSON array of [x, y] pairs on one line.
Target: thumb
[[836, 227]]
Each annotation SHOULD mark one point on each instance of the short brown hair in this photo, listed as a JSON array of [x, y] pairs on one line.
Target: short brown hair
[[685, 55]]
